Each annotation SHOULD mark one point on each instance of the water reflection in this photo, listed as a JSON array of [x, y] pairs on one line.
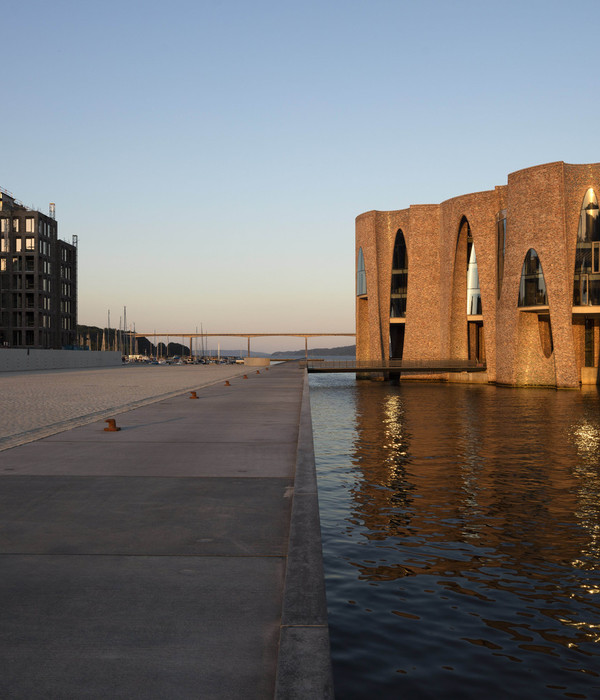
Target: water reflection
[[460, 529]]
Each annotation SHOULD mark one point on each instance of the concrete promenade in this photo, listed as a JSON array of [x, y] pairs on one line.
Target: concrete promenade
[[36, 404], [177, 558]]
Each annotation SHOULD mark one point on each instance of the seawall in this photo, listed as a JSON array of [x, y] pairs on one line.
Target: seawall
[[19, 359]]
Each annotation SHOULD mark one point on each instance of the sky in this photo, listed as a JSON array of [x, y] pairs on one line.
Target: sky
[[212, 157]]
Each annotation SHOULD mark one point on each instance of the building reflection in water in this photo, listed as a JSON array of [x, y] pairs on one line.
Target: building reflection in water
[[472, 531]]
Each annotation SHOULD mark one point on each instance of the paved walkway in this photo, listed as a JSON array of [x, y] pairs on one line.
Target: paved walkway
[[177, 558], [40, 403]]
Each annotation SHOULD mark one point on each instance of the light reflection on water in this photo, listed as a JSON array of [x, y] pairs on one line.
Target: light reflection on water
[[461, 537]]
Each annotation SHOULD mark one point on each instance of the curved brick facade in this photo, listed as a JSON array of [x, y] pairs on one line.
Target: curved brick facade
[[542, 208]]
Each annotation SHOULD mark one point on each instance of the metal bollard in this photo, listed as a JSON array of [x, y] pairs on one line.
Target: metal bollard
[[112, 426], [227, 383], [193, 395]]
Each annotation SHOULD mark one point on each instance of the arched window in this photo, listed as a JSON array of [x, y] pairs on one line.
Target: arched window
[[361, 275], [473, 290], [532, 291], [399, 277], [586, 280]]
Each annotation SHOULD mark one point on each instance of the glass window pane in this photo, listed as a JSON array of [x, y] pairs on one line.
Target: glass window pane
[[399, 285], [532, 290]]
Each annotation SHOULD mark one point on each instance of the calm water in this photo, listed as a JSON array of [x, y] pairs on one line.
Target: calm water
[[461, 536]]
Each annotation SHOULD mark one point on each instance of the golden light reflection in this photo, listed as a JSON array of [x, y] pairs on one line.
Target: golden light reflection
[[587, 440]]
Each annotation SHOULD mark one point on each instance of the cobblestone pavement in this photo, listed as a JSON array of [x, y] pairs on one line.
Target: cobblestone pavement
[[37, 404]]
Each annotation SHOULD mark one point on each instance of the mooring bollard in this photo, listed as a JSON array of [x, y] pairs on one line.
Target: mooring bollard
[[227, 383], [245, 376], [193, 395], [257, 371], [112, 426]]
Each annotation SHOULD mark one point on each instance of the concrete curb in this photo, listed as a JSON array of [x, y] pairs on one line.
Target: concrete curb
[[304, 661]]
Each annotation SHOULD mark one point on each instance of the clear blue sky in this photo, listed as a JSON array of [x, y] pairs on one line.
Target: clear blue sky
[[212, 156]]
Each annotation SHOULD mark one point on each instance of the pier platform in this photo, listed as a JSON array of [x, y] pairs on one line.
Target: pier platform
[[450, 366], [179, 557]]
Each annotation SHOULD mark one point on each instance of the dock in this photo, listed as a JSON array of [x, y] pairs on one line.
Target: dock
[[179, 557], [394, 366]]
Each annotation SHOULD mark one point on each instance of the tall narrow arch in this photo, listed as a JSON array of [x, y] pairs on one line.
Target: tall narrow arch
[[533, 293], [466, 333], [501, 247], [399, 277], [398, 295], [473, 290], [361, 275], [586, 277], [532, 289]]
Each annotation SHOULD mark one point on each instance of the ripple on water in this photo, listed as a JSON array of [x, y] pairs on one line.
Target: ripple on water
[[461, 535]]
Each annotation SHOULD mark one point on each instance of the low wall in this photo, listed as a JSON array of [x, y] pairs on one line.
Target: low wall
[[257, 361], [589, 375], [19, 359], [468, 377]]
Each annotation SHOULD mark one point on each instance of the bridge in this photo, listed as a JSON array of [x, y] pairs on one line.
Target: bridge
[[403, 366], [306, 336]]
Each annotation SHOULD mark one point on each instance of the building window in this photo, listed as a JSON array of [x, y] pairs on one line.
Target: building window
[[4, 245], [586, 278], [16, 225], [501, 253], [595, 257], [399, 277], [361, 275], [3, 264], [30, 243], [473, 290], [29, 225], [589, 342], [4, 225], [18, 245], [532, 290]]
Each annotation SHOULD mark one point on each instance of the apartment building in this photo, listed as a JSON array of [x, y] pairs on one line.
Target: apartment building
[[38, 279]]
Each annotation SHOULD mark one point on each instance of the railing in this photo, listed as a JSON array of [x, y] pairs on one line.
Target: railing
[[415, 366]]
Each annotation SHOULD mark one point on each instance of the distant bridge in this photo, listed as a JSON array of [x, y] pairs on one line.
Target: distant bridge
[[404, 366], [306, 336]]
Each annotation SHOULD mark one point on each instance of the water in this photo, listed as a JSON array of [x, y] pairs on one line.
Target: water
[[461, 538]]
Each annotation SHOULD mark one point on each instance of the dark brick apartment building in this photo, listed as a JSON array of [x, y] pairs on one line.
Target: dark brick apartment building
[[38, 279]]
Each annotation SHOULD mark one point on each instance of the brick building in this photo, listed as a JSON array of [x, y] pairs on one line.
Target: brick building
[[508, 277], [38, 279]]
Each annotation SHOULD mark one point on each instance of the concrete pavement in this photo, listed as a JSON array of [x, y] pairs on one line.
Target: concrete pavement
[[177, 558], [39, 403]]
